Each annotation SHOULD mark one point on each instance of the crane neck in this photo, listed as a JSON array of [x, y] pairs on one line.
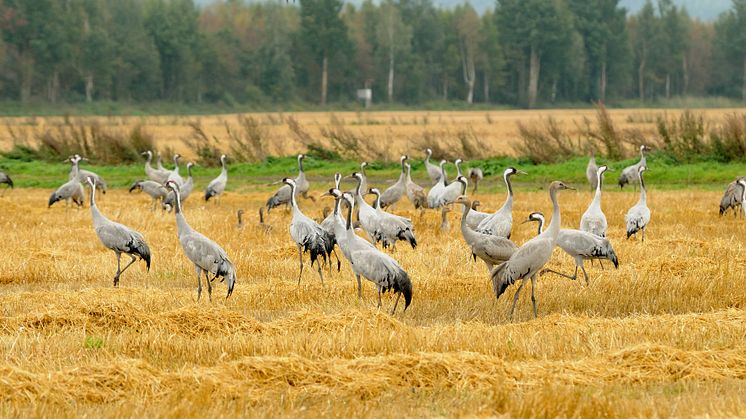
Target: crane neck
[[541, 226], [348, 225], [337, 203], [189, 171], [458, 170], [377, 202], [554, 225], [409, 173], [224, 170], [508, 205], [464, 216], [293, 201], [443, 174], [599, 184], [300, 165], [643, 192]]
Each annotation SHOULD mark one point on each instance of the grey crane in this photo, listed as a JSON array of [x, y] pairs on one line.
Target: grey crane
[[591, 171], [732, 197], [374, 265], [630, 173], [474, 217], [266, 227], [638, 217], [444, 224], [434, 195], [118, 237], [433, 171], [83, 175], [331, 219], [156, 175], [4, 178], [476, 176], [593, 220], [307, 234], [391, 226], [415, 192], [158, 164], [282, 196], [184, 190], [580, 245], [531, 257], [393, 194], [452, 192], [364, 186], [500, 223], [206, 255], [217, 185], [70, 190], [492, 250], [174, 175], [153, 189]]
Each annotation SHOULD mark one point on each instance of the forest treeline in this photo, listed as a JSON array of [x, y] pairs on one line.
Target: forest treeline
[[523, 53]]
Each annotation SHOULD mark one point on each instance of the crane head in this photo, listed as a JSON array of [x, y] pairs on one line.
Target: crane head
[[645, 148], [602, 169], [403, 158], [462, 180], [147, 153], [642, 169], [301, 157], [458, 162], [428, 152], [463, 199], [559, 186], [374, 191], [172, 185], [91, 181], [475, 203], [333, 192], [137, 186], [177, 156], [443, 163], [534, 216], [288, 181]]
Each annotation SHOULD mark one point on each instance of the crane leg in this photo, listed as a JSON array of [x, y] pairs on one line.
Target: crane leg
[[398, 294], [132, 260], [199, 281], [339, 262], [359, 287], [643, 234], [379, 297], [321, 274], [600, 263], [119, 270], [585, 274], [574, 277], [209, 284], [515, 298], [300, 258], [533, 297]]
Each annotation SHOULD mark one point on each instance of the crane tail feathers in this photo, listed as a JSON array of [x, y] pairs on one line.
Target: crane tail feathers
[[499, 283]]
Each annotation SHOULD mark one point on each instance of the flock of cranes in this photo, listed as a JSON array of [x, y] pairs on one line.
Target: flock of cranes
[[487, 235]]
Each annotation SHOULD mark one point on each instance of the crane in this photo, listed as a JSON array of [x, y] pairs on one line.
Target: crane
[[434, 194], [206, 255], [118, 237], [630, 173], [393, 227], [70, 190], [415, 192], [638, 217], [156, 175], [591, 171], [282, 196], [153, 189], [184, 191], [501, 222], [593, 220], [732, 197], [531, 257], [174, 175], [433, 171], [307, 234], [476, 176], [394, 193], [492, 250], [85, 174], [580, 245], [217, 185]]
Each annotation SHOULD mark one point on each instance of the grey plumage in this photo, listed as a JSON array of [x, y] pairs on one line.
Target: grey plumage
[[394, 193], [474, 217], [591, 171], [434, 195], [594, 220], [415, 192], [630, 174], [282, 196], [476, 176], [500, 223], [581, 246], [71, 190], [530, 258], [4, 178], [83, 175], [174, 175], [308, 236], [184, 191], [217, 185], [638, 217], [118, 237], [153, 189], [156, 175], [732, 197], [392, 227], [206, 255], [492, 250], [433, 171]]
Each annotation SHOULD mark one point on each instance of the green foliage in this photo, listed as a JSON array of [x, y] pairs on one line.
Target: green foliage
[[93, 342]]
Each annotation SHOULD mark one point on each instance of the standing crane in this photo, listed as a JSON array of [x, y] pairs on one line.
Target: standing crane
[[153, 189], [434, 195], [591, 171], [158, 164], [174, 175], [474, 217], [374, 265], [415, 192], [217, 185], [732, 197], [593, 220], [331, 219], [282, 196], [184, 191], [630, 173], [206, 255], [307, 234], [156, 175], [638, 217], [118, 237], [501, 222], [580, 245], [476, 176], [452, 192], [530, 258], [492, 250], [393, 227], [4, 178], [433, 171], [394, 193], [83, 175], [70, 190]]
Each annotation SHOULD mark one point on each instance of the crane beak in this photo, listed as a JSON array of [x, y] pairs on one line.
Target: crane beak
[[276, 183], [521, 172]]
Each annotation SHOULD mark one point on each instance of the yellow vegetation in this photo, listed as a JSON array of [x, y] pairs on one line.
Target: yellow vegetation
[[664, 335]]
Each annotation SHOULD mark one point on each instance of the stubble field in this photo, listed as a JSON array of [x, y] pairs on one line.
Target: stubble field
[[661, 336]]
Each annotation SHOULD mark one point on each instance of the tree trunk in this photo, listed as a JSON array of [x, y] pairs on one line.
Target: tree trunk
[[445, 89], [89, 88], [391, 75], [668, 86], [25, 75], [641, 79], [486, 87], [685, 67], [53, 86], [324, 71], [554, 91], [533, 77], [602, 83]]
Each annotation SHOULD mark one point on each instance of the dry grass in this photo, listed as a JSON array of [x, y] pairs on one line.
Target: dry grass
[[664, 335], [495, 132]]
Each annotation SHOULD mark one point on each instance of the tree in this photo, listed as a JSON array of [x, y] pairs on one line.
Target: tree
[[489, 58], [730, 48], [323, 33], [645, 40], [393, 38], [467, 27]]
